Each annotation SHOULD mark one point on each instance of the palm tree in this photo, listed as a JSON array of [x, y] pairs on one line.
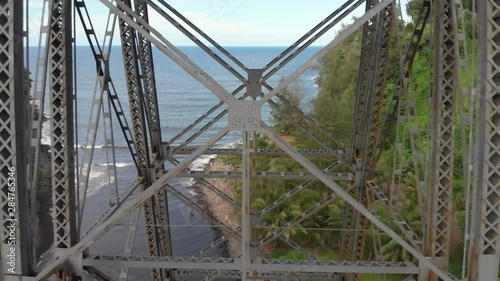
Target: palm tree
[[391, 250]]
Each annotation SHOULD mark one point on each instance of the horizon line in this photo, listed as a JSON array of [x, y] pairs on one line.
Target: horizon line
[[227, 46]]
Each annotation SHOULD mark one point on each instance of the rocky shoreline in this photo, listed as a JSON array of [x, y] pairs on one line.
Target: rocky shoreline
[[220, 208]]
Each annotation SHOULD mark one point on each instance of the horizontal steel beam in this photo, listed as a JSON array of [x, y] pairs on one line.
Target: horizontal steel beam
[[266, 152], [264, 175], [262, 266], [232, 275]]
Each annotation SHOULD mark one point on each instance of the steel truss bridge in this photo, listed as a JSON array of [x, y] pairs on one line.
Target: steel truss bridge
[[455, 105]]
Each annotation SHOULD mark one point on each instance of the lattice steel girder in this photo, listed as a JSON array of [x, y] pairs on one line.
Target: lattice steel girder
[[139, 125], [165, 46], [365, 70], [446, 79], [484, 256], [260, 151], [246, 231], [367, 124], [378, 82], [217, 118], [149, 83], [135, 92], [264, 175], [348, 6], [262, 266], [232, 275], [210, 40], [374, 110], [153, 117], [214, 189], [62, 132], [15, 232]]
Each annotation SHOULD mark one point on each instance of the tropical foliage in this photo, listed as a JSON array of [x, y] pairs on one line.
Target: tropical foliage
[[333, 108]]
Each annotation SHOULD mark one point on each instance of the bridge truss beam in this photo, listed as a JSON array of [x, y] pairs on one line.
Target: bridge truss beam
[[263, 266], [134, 61], [367, 126], [445, 89], [62, 128], [484, 257], [15, 242]]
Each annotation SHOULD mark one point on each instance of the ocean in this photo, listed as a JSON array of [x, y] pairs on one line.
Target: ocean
[[181, 100]]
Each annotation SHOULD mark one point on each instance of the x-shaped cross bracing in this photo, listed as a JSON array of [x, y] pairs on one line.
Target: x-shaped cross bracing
[[228, 98], [205, 79]]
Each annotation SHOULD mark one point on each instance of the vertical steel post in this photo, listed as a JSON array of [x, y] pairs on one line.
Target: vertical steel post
[[484, 255], [153, 117], [149, 83], [350, 221], [137, 108], [62, 137], [14, 236], [245, 207], [446, 79], [367, 126], [363, 78]]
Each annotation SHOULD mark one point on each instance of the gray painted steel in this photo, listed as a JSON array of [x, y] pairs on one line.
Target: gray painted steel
[[484, 260], [144, 139], [15, 240]]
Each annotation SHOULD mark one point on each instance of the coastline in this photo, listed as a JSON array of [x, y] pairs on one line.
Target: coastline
[[218, 207]]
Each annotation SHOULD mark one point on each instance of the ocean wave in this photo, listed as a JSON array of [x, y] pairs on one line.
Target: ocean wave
[[97, 180], [45, 136], [99, 176], [103, 146], [200, 163], [192, 192], [230, 145]]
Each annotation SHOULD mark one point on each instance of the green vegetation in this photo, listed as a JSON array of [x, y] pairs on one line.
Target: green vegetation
[[333, 108]]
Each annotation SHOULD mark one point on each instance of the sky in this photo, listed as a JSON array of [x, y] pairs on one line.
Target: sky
[[229, 22]]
